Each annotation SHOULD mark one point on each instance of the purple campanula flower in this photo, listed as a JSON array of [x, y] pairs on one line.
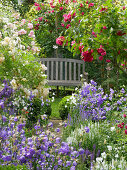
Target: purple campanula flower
[[15, 119], [81, 151], [50, 124], [57, 129], [1, 105], [68, 163], [74, 163], [58, 140], [59, 161], [87, 129], [4, 118], [72, 168]]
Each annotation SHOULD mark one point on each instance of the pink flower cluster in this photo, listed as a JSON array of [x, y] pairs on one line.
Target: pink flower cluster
[[60, 40], [68, 17], [87, 56], [22, 32]]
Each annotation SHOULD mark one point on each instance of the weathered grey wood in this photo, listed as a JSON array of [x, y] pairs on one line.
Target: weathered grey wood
[[61, 70], [66, 71], [70, 75], [48, 70], [79, 71], [56, 69], [74, 71], [52, 70]]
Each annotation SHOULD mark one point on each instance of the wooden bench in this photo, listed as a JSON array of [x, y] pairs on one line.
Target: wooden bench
[[64, 71]]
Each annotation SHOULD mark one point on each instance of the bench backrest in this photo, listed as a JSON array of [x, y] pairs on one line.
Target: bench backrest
[[63, 71]]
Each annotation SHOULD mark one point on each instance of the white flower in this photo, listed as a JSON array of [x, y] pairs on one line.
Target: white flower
[[103, 155], [109, 148], [43, 67], [112, 128], [65, 106], [99, 159], [55, 46], [14, 84]]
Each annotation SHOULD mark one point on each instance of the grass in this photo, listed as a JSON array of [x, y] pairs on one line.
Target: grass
[[55, 108]]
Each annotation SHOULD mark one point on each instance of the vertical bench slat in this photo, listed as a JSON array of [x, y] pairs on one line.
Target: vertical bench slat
[[61, 70], [52, 70], [48, 70], [83, 67], [74, 71], [65, 70], [56, 70], [79, 71], [70, 78]]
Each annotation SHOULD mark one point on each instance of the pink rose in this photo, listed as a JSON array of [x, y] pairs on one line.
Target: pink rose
[[104, 27], [60, 40], [30, 25], [61, 8], [90, 5]]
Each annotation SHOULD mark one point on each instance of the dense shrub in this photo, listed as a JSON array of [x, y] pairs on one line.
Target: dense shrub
[[64, 107]]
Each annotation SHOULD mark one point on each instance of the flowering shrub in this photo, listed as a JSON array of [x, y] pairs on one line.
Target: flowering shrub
[[18, 49]]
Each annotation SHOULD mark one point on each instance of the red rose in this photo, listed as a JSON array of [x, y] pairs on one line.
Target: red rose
[[103, 9], [119, 33], [100, 50], [101, 58], [126, 132], [81, 5], [87, 56], [108, 61]]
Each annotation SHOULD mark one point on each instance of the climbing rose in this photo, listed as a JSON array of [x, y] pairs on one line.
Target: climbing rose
[[91, 4], [87, 56], [119, 33], [124, 115], [81, 5], [108, 61], [68, 26], [103, 9], [60, 40], [104, 27], [36, 4], [100, 50], [124, 7], [101, 58], [38, 8], [61, 8]]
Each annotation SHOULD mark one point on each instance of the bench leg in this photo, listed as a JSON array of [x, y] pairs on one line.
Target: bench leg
[[57, 93]]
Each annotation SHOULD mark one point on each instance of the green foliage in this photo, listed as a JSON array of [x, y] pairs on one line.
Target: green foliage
[[12, 167], [38, 109], [64, 107], [46, 109]]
